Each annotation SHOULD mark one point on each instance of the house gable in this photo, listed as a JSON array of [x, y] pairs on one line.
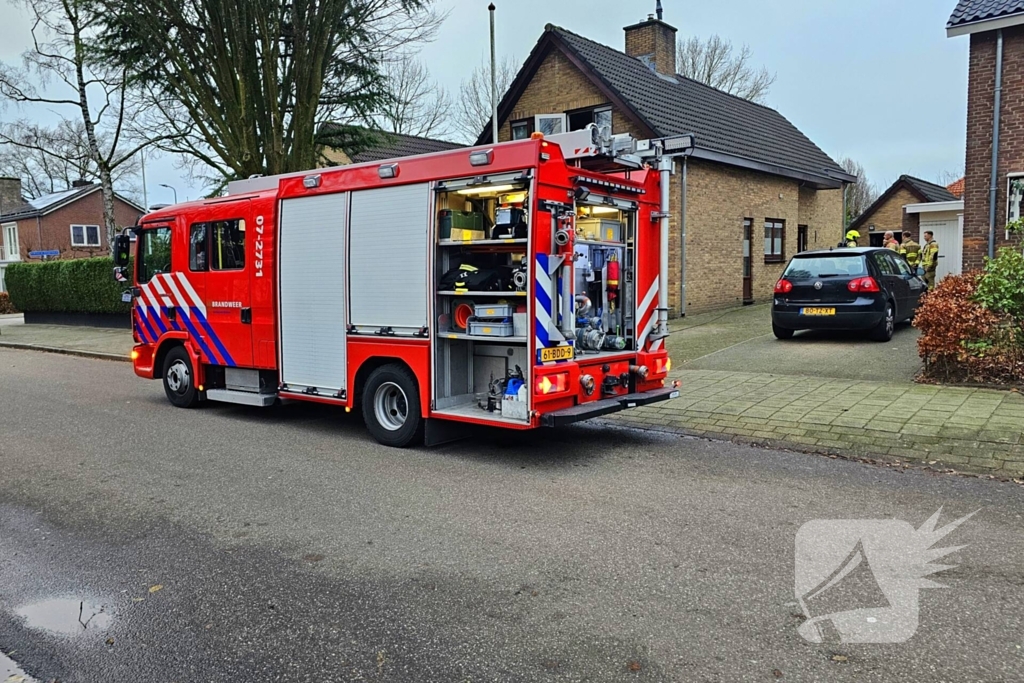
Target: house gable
[[886, 213], [728, 129]]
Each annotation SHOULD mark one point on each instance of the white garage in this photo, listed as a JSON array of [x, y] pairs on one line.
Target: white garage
[[946, 221]]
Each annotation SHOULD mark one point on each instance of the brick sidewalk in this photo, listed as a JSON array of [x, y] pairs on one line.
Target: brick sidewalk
[[95, 342], [973, 429]]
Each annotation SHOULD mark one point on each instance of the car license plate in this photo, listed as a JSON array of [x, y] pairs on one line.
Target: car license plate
[[556, 353], [817, 311]]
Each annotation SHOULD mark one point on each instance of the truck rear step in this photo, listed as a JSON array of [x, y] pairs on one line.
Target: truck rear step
[[245, 398]]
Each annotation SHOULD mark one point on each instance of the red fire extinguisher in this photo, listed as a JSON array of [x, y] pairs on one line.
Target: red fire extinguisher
[[613, 279]]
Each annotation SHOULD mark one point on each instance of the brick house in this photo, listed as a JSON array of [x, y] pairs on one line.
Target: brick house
[[890, 212], [70, 222], [996, 30], [755, 190]]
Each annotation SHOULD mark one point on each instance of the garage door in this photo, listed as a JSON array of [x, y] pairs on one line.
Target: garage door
[[949, 235]]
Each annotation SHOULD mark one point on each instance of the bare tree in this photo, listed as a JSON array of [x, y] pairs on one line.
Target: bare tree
[[950, 176], [57, 72], [247, 87], [50, 159], [716, 62], [472, 110], [416, 105], [861, 194]]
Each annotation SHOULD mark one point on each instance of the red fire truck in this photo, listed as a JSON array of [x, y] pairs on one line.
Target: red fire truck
[[519, 285]]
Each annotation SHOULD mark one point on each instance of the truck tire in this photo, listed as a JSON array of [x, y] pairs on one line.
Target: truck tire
[[391, 407], [883, 331], [179, 379]]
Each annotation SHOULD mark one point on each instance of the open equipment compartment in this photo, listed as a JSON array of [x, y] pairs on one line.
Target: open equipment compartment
[[481, 306], [604, 261]]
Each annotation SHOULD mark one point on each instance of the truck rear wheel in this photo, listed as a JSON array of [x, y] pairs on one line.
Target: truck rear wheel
[[391, 407], [179, 380]]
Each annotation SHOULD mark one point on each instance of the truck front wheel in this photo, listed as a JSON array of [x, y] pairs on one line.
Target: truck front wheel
[[391, 407], [179, 380]]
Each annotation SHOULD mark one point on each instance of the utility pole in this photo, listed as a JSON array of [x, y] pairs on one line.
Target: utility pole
[[494, 82], [145, 195]]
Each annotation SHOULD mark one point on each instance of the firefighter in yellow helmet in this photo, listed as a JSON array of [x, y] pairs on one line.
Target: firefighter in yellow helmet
[[851, 238]]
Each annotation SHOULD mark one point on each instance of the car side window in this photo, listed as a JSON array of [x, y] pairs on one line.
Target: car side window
[[902, 267], [884, 264]]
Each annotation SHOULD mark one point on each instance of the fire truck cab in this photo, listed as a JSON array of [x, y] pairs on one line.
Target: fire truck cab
[[519, 285]]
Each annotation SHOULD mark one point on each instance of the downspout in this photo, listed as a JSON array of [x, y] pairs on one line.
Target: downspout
[[997, 111], [665, 165], [682, 247]]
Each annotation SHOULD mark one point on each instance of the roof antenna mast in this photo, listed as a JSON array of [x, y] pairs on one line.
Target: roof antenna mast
[[661, 12]]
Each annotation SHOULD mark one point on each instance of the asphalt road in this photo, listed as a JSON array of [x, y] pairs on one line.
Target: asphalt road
[[229, 544]]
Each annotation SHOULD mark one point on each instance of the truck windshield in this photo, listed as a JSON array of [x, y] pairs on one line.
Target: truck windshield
[[154, 254], [825, 266]]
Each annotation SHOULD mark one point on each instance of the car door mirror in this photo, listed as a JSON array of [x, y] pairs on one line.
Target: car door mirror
[[122, 250]]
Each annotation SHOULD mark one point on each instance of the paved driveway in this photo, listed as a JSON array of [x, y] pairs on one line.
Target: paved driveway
[[741, 340]]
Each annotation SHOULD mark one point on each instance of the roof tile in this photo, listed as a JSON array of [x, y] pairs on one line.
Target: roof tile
[[720, 122], [969, 11]]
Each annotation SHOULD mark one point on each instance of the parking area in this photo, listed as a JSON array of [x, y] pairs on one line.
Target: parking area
[[741, 340]]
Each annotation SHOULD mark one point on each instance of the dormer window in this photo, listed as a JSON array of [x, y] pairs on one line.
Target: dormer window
[[580, 119]]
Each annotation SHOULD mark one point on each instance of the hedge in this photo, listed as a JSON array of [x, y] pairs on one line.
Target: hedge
[[76, 286]]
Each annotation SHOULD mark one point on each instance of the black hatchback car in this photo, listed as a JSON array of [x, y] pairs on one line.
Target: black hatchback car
[[846, 289]]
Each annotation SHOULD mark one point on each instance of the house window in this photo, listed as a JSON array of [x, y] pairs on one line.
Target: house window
[[85, 235], [801, 238], [774, 240], [602, 116], [521, 130], [9, 250], [227, 245], [1015, 197], [549, 124]]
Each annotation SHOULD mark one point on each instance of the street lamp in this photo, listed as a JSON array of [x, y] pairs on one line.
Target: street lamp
[[172, 190]]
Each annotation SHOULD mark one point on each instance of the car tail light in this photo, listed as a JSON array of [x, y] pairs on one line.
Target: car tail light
[[662, 366], [864, 284], [552, 384], [783, 287]]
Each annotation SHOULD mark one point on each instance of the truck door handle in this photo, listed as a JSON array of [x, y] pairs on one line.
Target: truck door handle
[[247, 316]]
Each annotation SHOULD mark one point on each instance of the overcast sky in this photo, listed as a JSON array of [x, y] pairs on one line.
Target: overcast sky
[[876, 80]]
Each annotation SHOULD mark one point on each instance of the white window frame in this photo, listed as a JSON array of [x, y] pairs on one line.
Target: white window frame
[[539, 119], [1014, 209], [11, 252], [85, 234]]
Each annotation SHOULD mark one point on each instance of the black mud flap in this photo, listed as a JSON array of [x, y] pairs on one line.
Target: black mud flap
[[607, 406]]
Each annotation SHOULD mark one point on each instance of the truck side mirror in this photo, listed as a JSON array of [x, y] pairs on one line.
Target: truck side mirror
[[122, 250]]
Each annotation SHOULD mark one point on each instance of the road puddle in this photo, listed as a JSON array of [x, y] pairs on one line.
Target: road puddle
[[10, 673], [65, 615]]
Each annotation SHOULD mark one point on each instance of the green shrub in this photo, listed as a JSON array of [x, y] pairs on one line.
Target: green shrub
[[77, 286], [1001, 286], [5, 304]]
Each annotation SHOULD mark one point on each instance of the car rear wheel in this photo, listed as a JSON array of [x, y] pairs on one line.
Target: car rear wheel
[[391, 407], [782, 333], [883, 331]]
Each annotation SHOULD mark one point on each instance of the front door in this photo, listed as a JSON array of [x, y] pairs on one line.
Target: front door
[[218, 272], [748, 271]]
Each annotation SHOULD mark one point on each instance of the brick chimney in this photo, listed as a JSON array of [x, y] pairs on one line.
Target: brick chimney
[[10, 194], [654, 43]]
